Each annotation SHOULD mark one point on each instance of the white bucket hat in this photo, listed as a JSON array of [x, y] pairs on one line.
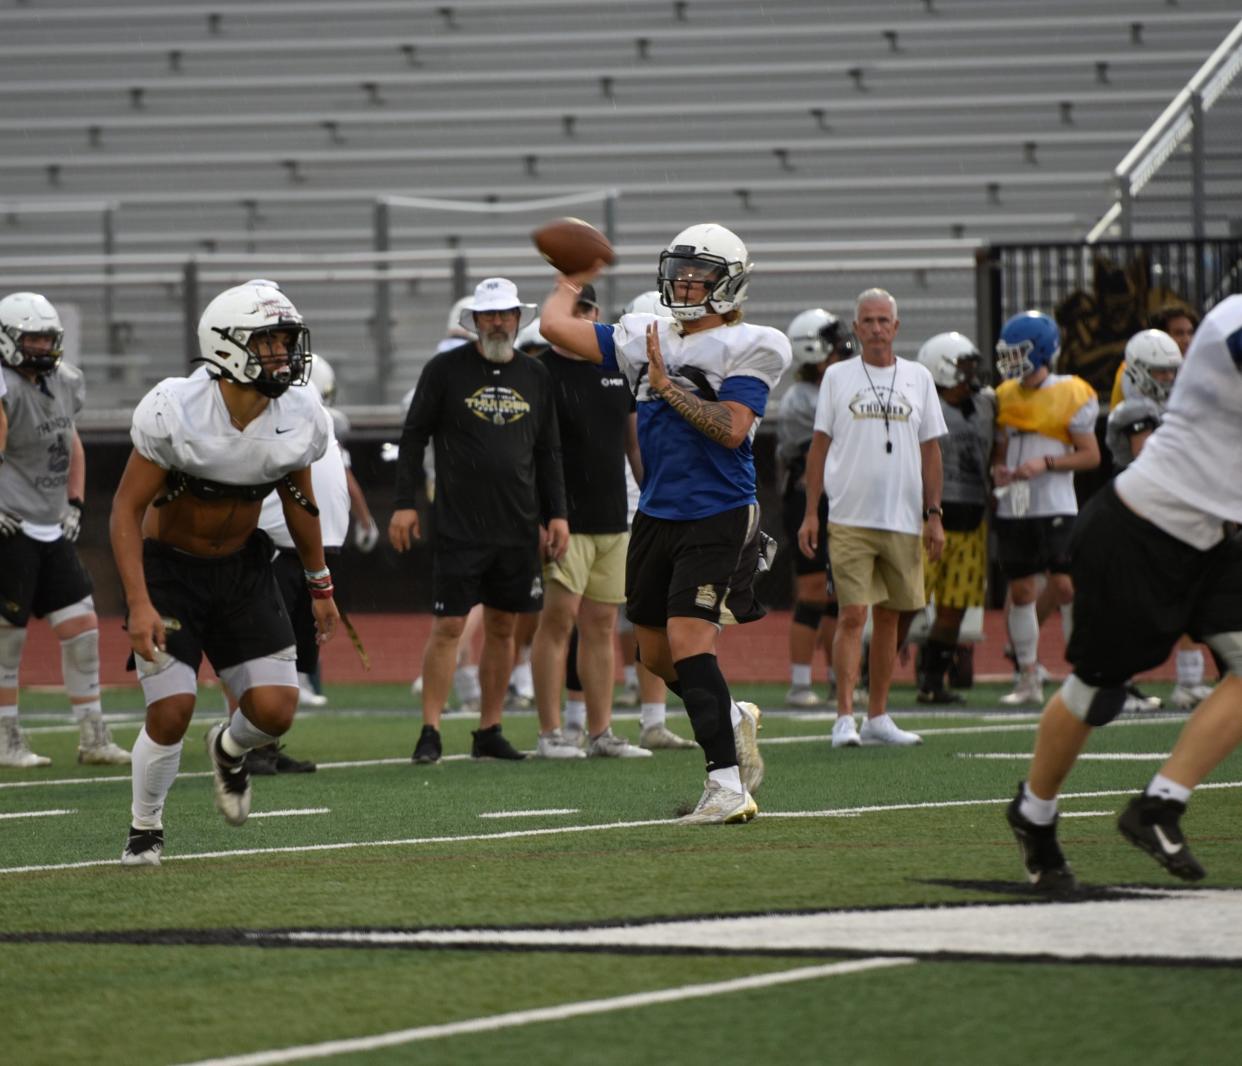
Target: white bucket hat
[[494, 294]]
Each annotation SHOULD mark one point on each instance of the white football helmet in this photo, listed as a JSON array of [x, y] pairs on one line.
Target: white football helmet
[[1152, 360], [323, 377], [530, 340], [23, 314], [816, 334], [647, 303], [952, 359], [236, 316], [711, 254]]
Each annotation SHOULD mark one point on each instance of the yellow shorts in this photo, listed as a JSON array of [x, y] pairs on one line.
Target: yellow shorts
[[958, 578], [876, 566], [593, 566]]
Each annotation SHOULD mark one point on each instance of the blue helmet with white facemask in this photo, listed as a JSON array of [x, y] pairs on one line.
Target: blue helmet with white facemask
[[1028, 342]]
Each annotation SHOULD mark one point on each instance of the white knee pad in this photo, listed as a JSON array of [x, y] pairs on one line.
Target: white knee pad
[[79, 664], [164, 677], [84, 606], [279, 668], [12, 640]]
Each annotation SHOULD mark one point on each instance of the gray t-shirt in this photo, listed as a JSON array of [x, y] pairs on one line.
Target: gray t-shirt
[[967, 450], [797, 420], [34, 476]]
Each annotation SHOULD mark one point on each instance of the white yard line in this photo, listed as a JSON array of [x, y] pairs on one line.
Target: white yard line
[[1099, 756], [291, 813], [529, 814], [37, 814], [1088, 814], [564, 1011]]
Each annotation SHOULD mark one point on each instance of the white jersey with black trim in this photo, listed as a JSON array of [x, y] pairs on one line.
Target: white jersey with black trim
[[183, 424], [1184, 480], [331, 497]]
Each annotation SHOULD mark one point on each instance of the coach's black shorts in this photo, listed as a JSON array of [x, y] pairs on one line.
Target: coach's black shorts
[[229, 607], [1137, 590], [1029, 546], [703, 568], [793, 510], [502, 576], [38, 577]]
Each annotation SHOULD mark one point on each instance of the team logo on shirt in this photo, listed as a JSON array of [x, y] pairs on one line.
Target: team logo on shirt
[[57, 456], [880, 402], [497, 404]]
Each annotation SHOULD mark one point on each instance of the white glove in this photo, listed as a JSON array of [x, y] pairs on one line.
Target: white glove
[[71, 521], [9, 524], [366, 536], [389, 451]]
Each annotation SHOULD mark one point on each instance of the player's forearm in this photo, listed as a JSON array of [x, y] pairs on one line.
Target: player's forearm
[[717, 421], [125, 533]]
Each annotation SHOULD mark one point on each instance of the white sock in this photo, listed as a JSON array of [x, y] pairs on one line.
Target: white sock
[[652, 714], [304, 682], [1164, 788], [9, 710], [735, 714], [1024, 632], [1034, 809], [575, 715], [630, 674], [91, 708], [242, 735], [1190, 667], [728, 778], [800, 675], [154, 770], [466, 682], [1067, 621], [522, 680]]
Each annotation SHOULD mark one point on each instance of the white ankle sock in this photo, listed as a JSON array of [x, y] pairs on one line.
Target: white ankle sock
[[630, 675], [1024, 632], [729, 778], [1164, 788], [800, 675], [1067, 621], [1190, 667], [735, 714], [1034, 809], [154, 771], [575, 715], [651, 714]]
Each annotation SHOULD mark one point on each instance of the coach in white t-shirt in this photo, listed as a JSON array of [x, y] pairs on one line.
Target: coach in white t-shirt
[[877, 455]]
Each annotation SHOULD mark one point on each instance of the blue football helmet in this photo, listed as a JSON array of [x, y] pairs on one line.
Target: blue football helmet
[[1027, 342]]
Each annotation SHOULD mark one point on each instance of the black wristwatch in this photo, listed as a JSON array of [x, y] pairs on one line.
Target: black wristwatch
[[929, 511]]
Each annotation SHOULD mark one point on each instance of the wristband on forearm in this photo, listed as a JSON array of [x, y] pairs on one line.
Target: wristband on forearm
[[319, 583]]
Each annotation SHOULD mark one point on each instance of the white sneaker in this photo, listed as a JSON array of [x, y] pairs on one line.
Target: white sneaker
[[661, 737], [95, 745], [746, 740], [1138, 702], [610, 746], [308, 697], [14, 748], [574, 735], [845, 732], [516, 700], [1188, 697], [553, 745], [627, 697], [721, 806], [1028, 690], [802, 697], [416, 686], [230, 780], [883, 730]]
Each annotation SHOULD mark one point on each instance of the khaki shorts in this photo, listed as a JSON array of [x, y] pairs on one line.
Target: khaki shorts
[[876, 567], [593, 566], [958, 577]]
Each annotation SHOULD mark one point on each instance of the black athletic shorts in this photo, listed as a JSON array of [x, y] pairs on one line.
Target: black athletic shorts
[[500, 576], [1137, 590], [38, 577], [793, 509], [229, 608], [1029, 546], [703, 568]]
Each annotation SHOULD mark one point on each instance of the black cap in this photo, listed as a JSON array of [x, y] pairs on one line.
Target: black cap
[[587, 296]]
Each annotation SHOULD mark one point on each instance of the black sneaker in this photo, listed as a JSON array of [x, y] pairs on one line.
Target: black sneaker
[[1152, 823], [938, 696], [287, 764], [1046, 868], [143, 848], [490, 743], [261, 761], [428, 749]]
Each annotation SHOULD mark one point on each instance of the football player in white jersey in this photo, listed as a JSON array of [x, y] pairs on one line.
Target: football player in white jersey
[[196, 569], [702, 380], [42, 482], [1157, 554]]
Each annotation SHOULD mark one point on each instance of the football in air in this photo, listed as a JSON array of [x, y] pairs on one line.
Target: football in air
[[572, 245]]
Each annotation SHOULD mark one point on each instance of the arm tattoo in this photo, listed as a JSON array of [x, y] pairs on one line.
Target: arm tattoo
[[713, 419]]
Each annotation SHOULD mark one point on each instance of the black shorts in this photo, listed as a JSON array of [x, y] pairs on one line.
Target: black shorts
[[38, 577], [703, 568], [501, 576], [793, 510], [228, 608], [291, 580], [1137, 590], [1028, 546]]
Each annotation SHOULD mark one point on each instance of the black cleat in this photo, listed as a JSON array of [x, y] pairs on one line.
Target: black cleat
[[490, 743], [939, 696], [261, 762], [287, 764], [1152, 823], [428, 749], [1046, 868], [143, 848]]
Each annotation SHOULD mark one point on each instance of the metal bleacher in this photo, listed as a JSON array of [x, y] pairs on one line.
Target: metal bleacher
[[849, 144]]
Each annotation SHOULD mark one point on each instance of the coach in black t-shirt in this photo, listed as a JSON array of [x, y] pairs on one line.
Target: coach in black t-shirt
[[595, 411], [492, 418]]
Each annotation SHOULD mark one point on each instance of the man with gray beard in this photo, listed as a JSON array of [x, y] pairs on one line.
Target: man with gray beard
[[491, 415]]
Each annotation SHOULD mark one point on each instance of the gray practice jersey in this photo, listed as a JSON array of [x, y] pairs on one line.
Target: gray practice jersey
[[967, 450], [34, 476], [1129, 417], [797, 420]]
